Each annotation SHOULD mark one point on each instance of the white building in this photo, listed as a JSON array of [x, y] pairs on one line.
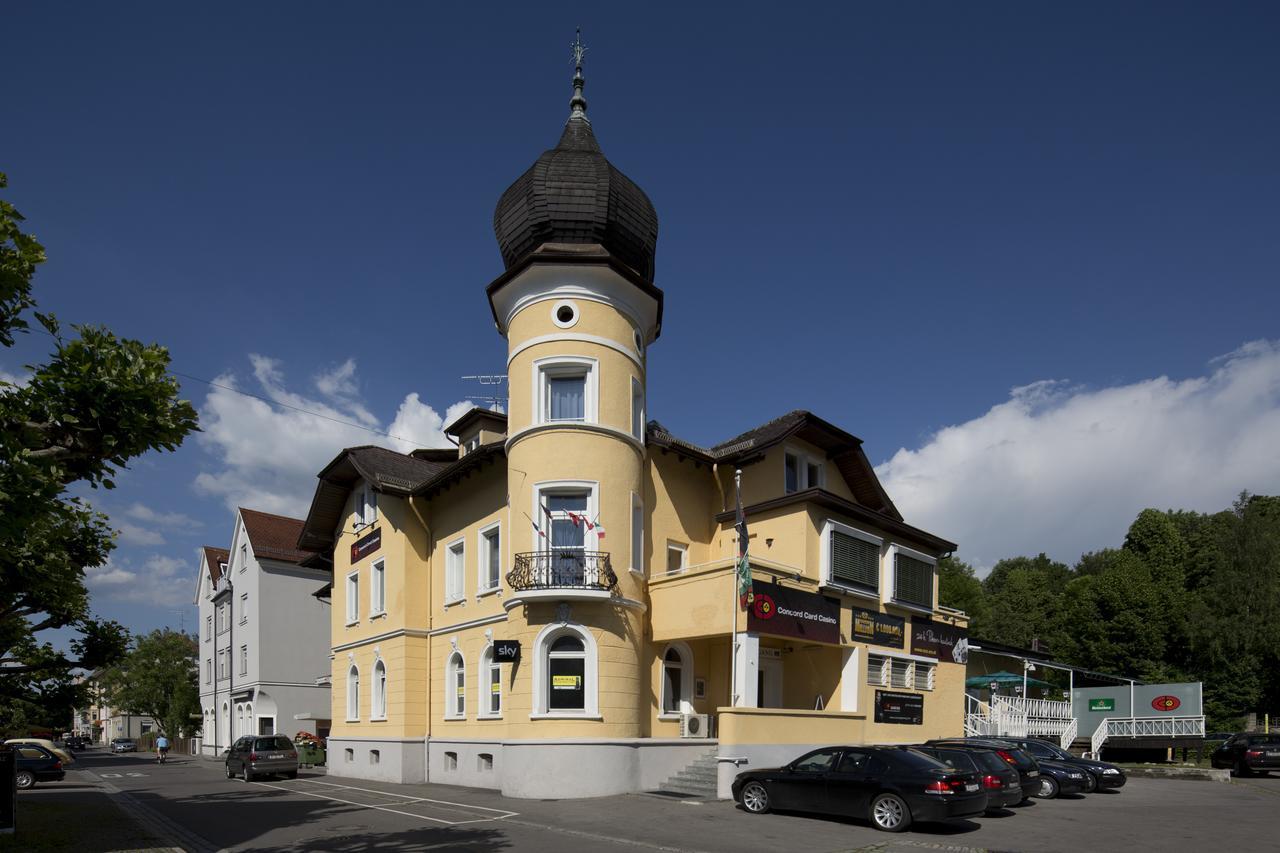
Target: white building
[[264, 636]]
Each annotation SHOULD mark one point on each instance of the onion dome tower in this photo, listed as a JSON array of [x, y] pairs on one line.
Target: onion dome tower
[[578, 308]]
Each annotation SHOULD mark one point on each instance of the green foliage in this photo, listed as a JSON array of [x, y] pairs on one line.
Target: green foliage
[[1189, 596], [95, 404], [158, 678]]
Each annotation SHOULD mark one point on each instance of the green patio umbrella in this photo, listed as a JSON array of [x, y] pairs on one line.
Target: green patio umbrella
[[1003, 678]]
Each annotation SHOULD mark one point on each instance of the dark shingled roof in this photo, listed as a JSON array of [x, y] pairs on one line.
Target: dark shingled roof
[[273, 537], [572, 194], [216, 558]]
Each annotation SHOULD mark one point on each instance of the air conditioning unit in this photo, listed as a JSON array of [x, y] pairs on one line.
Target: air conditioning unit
[[695, 725]]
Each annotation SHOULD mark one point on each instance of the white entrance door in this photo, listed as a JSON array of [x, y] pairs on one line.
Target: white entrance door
[[769, 683]]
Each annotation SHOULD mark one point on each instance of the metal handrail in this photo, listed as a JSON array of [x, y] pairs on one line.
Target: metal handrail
[[1135, 727], [562, 568], [1068, 736], [1048, 709]]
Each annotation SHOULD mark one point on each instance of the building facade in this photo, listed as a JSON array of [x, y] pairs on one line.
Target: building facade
[[554, 609], [264, 635]]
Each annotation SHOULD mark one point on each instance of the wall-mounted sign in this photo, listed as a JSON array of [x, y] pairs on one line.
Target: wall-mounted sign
[[947, 643], [506, 651], [923, 640], [366, 545], [879, 629], [1102, 704], [906, 708], [1166, 703], [788, 612]]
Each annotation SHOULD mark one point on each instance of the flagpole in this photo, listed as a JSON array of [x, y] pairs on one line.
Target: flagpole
[[733, 611]]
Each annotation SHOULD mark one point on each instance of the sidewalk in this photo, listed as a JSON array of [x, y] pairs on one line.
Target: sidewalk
[[76, 816]]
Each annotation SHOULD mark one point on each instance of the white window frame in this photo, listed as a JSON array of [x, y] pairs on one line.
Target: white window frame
[[455, 664], [591, 673], [244, 557], [483, 586], [803, 461], [567, 365], [455, 571], [378, 588], [684, 702], [353, 597], [208, 670], [488, 666], [683, 549], [366, 507], [244, 608], [378, 698], [824, 559], [208, 628], [886, 673], [244, 659], [637, 409], [590, 539], [635, 553], [887, 594], [353, 693]]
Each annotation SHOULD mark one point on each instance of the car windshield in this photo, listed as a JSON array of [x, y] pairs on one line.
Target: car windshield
[[1048, 750], [988, 760], [916, 760], [278, 742], [1268, 740]]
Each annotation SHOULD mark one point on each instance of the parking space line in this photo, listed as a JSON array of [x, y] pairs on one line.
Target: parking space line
[[499, 813]]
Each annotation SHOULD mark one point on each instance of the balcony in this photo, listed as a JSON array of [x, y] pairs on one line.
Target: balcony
[[562, 574]]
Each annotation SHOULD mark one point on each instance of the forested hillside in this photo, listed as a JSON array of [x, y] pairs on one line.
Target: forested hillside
[[1187, 597]]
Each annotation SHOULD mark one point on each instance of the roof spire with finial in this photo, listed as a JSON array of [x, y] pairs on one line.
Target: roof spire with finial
[[578, 104]]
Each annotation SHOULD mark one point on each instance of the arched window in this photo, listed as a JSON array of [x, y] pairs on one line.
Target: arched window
[[379, 710], [677, 680], [249, 727], [565, 672], [353, 693], [490, 685], [239, 720], [455, 688]]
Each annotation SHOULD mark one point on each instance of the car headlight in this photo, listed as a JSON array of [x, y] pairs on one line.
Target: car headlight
[[1111, 771], [1076, 775]]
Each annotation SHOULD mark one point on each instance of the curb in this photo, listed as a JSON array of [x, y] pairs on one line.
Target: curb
[[181, 839], [1197, 774]]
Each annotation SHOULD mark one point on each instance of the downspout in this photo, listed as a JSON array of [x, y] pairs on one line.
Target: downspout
[[430, 602]]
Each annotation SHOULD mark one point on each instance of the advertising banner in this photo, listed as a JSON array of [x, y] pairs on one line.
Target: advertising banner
[[906, 708], [947, 643], [923, 640], [879, 629], [1102, 704], [788, 612], [506, 651], [366, 545]]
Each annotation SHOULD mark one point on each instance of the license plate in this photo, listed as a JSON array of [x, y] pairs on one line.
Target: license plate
[[276, 755], [1273, 753], [1034, 773], [971, 787]]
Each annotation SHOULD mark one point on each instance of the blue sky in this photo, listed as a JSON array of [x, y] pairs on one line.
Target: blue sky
[[1027, 252]]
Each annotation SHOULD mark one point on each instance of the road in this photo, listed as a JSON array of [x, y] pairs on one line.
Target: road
[[191, 800]]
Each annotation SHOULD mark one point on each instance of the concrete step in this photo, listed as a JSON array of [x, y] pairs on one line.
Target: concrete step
[[703, 791]]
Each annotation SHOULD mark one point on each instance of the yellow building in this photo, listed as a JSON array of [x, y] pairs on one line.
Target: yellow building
[[552, 609]]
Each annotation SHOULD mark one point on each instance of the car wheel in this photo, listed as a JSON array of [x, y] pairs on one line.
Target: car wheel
[[1242, 769], [889, 813], [293, 774], [245, 774], [230, 775], [755, 798], [1048, 788], [1090, 782], [26, 779]]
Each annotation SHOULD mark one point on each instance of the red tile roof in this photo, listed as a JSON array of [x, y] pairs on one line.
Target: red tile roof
[[274, 537], [216, 558]]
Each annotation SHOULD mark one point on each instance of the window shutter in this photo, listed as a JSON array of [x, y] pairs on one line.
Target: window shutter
[[914, 582], [854, 561]]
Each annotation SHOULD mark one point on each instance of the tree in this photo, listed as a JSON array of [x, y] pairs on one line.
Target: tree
[[959, 587], [1025, 599], [158, 678], [96, 403]]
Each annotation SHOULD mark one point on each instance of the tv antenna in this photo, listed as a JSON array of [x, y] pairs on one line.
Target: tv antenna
[[489, 380]]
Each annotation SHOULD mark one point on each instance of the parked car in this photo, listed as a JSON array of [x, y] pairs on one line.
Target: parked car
[[45, 743], [892, 787], [998, 779], [123, 744], [1028, 769], [262, 755], [36, 764], [1098, 774], [1245, 754]]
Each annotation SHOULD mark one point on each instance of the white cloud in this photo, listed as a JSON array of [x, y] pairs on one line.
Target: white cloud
[[133, 534], [1065, 470], [157, 581], [142, 512], [154, 525], [19, 379], [268, 455]]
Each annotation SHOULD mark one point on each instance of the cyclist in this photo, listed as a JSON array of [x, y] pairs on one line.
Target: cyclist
[[162, 747]]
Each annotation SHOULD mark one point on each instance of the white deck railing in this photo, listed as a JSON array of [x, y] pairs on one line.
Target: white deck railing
[[1068, 735], [1136, 727], [1046, 709], [977, 718]]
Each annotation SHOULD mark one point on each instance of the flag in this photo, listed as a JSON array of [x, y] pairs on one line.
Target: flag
[[575, 518], [536, 528], [596, 526], [743, 570]]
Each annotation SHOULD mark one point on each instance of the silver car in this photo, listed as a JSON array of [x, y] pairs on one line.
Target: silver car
[[123, 744], [262, 755]]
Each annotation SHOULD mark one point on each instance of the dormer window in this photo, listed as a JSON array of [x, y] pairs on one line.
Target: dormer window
[[366, 507], [801, 471]]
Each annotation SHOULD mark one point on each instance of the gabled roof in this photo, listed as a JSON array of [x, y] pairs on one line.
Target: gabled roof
[[273, 537], [216, 559], [461, 469], [386, 470], [842, 448], [485, 417]]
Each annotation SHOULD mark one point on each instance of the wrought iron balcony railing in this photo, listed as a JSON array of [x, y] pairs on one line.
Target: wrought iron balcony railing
[[562, 568]]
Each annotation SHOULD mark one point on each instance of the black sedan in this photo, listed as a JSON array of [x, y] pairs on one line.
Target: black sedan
[[36, 764], [998, 779], [1098, 774], [1028, 769], [890, 786], [1247, 754]]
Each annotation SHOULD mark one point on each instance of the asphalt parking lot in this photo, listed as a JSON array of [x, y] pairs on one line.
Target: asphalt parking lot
[[192, 802]]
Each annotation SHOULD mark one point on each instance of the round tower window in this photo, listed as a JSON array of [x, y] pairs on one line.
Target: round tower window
[[565, 314]]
